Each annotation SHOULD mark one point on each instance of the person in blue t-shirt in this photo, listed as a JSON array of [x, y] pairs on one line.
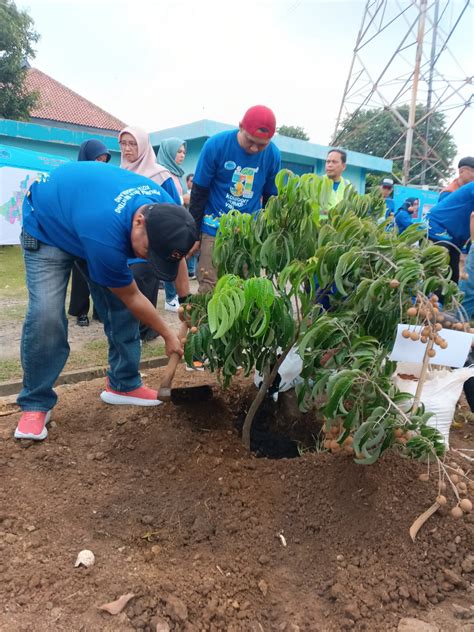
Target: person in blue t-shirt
[[104, 215], [407, 214], [236, 171], [449, 223]]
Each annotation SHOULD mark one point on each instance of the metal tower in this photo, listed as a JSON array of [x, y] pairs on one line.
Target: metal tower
[[401, 57]]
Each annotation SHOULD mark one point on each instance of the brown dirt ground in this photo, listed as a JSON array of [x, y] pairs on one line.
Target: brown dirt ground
[[179, 514]]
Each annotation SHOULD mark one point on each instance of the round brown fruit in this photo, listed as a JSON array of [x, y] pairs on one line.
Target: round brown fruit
[[456, 512], [438, 327], [180, 309], [431, 353], [394, 283], [424, 339], [443, 344], [441, 500], [466, 505], [194, 330], [415, 336], [412, 311], [406, 333], [464, 276], [189, 308], [398, 432], [434, 298], [183, 341], [424, 477], [327, 444], [442, 486], [455, 478]]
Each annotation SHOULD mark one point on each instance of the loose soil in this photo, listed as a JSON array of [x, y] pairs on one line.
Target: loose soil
[[177, 513]]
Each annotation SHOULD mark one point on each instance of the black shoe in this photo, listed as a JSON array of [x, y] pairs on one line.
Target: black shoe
[[83, 320]]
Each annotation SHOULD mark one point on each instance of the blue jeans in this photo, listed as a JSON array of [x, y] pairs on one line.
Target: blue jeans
[[192, 261], [467, 285], [44, 344], [170, 291]]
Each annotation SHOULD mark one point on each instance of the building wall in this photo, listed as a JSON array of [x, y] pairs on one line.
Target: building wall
[[53, 140]]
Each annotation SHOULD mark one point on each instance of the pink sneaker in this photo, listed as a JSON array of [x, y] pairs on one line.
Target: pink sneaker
[[141, 396], [32, 425]]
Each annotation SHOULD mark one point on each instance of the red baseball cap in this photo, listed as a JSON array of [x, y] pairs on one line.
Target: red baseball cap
[[259, 121]]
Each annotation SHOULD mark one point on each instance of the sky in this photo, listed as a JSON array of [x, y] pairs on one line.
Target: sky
[[159, 64]]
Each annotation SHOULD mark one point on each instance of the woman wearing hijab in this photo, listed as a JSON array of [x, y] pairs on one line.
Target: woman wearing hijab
[[407, 214], [171, 155], [137, 155], [79, 302]]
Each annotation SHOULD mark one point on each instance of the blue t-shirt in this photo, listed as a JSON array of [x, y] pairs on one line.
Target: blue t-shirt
[[86, 209], [389, 206], [235, 179], [449, 219]]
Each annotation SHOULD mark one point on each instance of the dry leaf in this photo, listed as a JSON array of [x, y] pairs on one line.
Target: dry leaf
[[420, 521], [114, 607]]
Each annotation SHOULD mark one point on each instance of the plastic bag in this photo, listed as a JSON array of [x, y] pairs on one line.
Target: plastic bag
[[440, 394], [289, 374]]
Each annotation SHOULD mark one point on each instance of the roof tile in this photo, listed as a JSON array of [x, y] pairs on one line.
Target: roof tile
[[59, 103]]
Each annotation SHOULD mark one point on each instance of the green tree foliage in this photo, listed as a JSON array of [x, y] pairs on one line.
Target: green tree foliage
[[276, 270], [17, 37], [293, 131], [376, 131]]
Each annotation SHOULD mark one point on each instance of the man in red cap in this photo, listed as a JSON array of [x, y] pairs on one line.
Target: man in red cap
[[236, 171]]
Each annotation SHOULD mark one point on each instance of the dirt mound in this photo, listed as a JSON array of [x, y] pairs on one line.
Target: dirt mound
[[179, 514]]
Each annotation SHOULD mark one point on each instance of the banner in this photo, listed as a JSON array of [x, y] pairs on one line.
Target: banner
[[19, 168]]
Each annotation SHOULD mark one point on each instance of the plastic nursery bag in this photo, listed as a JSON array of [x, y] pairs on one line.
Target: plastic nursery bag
[[289, 374], [440, 394]]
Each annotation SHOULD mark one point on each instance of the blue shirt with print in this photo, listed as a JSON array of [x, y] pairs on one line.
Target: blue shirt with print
[[236, 180], [449, 219], [86, 209]]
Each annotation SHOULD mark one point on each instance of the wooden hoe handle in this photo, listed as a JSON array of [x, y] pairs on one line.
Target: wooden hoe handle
[[164, 393]]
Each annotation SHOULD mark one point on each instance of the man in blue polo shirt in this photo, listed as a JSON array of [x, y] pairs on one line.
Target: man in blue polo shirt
[[449, 223], [236, 171], [106, 216]]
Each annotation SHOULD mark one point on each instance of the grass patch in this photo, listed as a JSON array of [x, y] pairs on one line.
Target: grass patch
[[12, 272], [93, 353]]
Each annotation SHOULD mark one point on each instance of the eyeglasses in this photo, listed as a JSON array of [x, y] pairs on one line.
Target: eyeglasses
[[127, 143]]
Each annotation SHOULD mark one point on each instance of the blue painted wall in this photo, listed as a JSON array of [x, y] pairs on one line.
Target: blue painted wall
[[53, 140], [299, 156]]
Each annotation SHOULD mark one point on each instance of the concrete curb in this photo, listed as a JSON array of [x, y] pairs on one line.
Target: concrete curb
[[83, 375]]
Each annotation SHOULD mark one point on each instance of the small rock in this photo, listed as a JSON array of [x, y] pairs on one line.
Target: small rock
[[147, 519], [351, 610], [337, 591], [468, 564], [452, 577], [156, 549], [263, 587], [408, 624], [404, 592], [457, 539], [162, 626], [30, 528], [339, 558], [462, 613], [263, 559], [10, 538], [176, 609]]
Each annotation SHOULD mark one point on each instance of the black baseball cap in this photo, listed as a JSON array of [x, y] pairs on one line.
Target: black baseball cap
[[468, 161], [171, 231]]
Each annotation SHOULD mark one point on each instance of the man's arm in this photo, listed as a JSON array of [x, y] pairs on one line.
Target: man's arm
[[182, 280], [197, 204], [144, 311]]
